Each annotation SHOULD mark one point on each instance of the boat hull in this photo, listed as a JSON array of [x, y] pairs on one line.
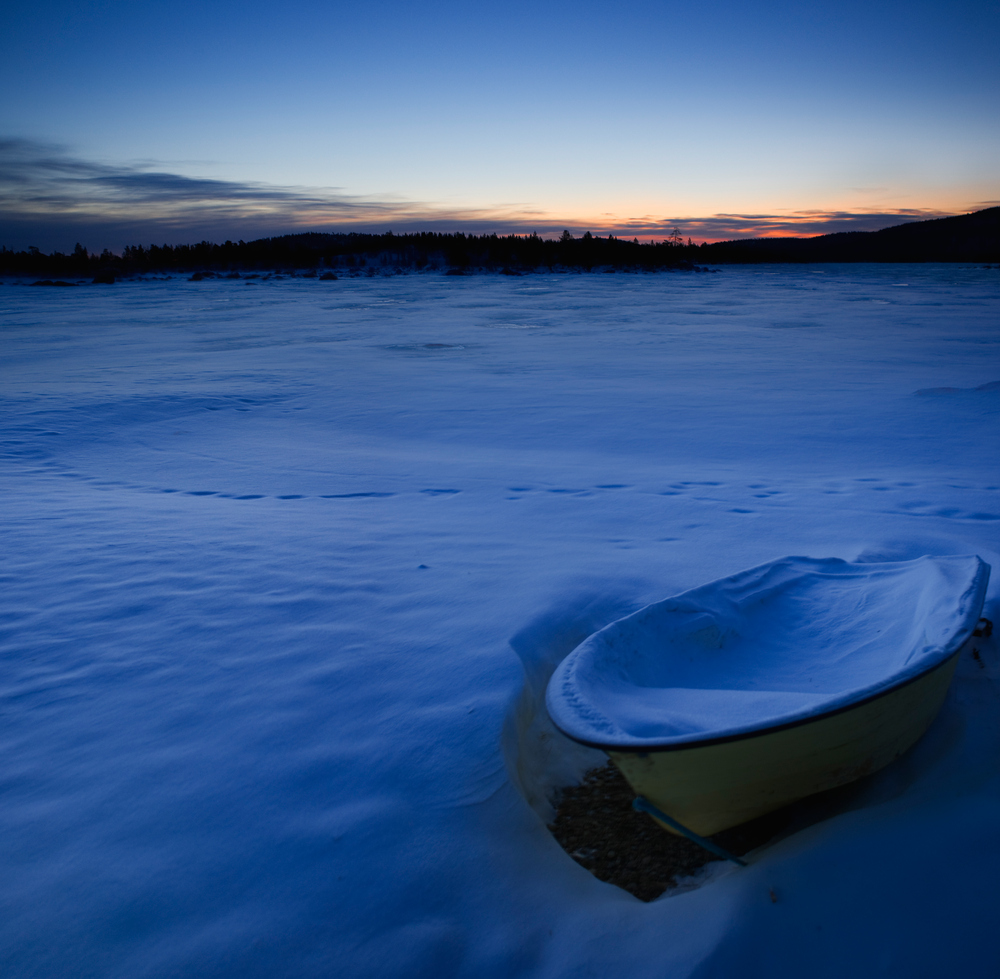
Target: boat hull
[[710, 787]]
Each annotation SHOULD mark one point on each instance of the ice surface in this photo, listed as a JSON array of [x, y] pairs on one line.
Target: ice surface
[[282, 586], [784, 642]]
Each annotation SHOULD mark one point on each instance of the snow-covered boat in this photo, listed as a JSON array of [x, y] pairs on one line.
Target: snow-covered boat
[[743, 695]]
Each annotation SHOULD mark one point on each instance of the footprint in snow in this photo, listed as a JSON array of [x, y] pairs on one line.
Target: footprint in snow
[[352, 496], [989, 386]]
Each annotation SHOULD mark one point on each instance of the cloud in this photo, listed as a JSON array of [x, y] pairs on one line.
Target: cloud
[[50, 199], [722, 227], [39, 182]]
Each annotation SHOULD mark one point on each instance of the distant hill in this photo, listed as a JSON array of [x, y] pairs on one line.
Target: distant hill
[[966, 238]]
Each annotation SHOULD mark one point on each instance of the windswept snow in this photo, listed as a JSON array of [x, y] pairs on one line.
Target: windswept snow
[[287, 565]]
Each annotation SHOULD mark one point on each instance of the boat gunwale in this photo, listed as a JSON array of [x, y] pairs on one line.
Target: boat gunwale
[[764, 731], [946, 652]]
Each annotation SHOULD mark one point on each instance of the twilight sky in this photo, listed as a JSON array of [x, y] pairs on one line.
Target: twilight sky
[[151, 121]]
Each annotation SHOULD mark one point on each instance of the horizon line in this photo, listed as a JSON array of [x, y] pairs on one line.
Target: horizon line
[[49, 199]]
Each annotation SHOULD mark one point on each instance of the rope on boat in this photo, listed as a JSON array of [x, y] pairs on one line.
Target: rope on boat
[[642, 804]]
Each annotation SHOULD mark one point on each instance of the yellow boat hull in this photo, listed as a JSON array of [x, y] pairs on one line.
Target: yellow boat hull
[[710, 787]]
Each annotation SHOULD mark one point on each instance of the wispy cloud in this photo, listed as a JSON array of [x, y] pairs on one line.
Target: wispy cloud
[[50, 198], [721, 227], [44, 181]]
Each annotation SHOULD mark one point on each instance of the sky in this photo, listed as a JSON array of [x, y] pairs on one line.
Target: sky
[[140, 122]]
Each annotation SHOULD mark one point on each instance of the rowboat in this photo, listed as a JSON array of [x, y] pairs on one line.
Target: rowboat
[[743, 695]]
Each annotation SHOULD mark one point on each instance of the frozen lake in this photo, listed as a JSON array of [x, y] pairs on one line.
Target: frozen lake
[[277, 554]]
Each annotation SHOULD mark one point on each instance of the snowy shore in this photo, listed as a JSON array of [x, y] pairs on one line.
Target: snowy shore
[[286, 565]]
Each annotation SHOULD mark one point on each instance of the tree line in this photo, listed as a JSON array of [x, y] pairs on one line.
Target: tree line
[[417, 251], [971, 237]]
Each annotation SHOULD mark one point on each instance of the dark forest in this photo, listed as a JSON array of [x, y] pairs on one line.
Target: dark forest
[[966, 238]]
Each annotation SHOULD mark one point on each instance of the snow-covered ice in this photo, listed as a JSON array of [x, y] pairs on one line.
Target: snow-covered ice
[[287, 565], [784, 642]]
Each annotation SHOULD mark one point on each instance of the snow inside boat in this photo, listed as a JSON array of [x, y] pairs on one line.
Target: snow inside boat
[[743, 695]]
